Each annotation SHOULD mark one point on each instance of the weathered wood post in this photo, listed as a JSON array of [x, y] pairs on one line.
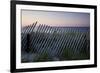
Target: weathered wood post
[[28, 43]]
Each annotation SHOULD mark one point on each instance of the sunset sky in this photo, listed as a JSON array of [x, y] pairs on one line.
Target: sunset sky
[[53, 18]]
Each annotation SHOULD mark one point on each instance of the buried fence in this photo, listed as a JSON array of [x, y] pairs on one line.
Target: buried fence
[[55, 43]]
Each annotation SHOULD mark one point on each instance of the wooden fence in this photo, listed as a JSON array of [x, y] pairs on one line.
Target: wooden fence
[[57, 43]]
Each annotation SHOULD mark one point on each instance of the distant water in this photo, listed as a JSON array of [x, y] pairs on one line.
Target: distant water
[[81, 29]]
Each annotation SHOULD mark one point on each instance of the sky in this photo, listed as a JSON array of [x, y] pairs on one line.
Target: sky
[[55, 18]]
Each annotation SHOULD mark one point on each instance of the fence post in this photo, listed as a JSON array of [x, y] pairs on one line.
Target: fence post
[[28, 43]]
